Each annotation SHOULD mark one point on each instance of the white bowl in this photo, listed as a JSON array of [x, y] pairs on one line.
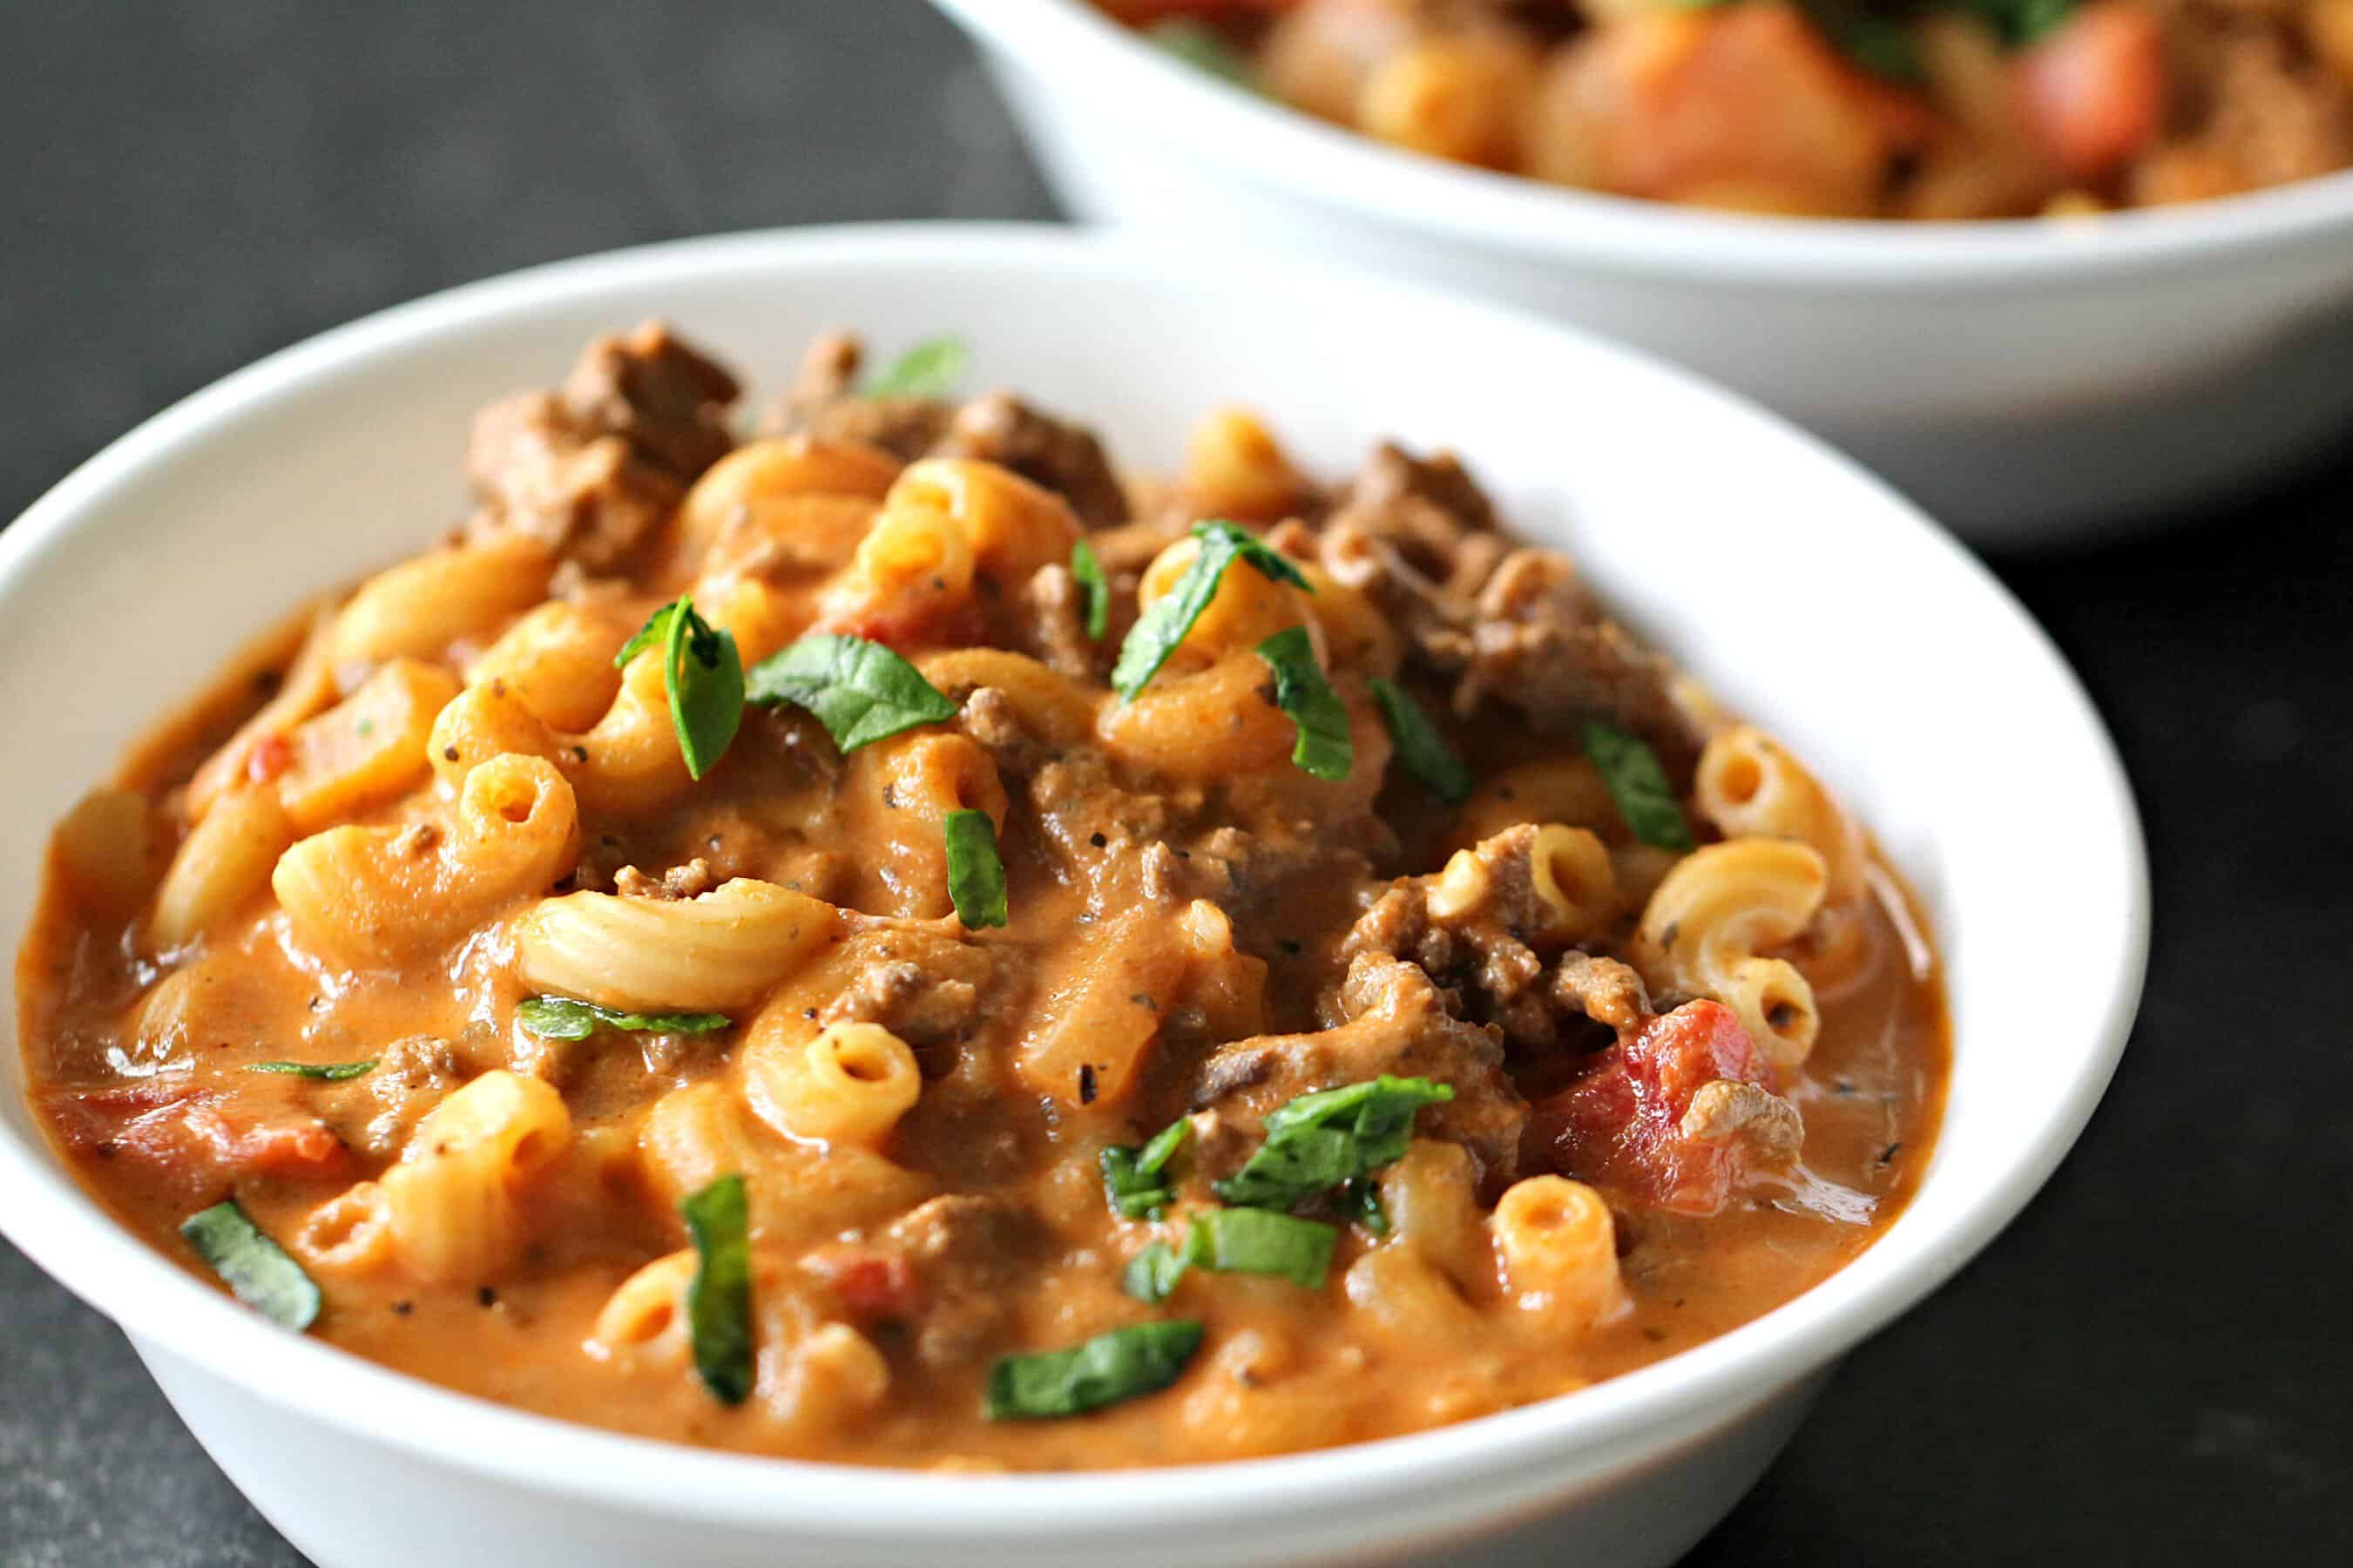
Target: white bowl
[[1810, 595], [2030, 383]]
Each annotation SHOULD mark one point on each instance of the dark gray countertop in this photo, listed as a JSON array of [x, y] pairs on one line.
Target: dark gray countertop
[[2149, 1367]]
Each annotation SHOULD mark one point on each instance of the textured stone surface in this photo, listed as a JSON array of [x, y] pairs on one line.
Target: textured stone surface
[[2149, 1367]]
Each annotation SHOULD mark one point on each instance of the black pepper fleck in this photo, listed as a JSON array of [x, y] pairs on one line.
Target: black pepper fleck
[[1086, 1083]]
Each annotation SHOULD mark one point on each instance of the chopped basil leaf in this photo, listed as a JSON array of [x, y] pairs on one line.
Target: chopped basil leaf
[[1139, 1359], [1089, 573], [2020, 22], [1419, 745], [860, 691], [702, 675], [975, 873], [1236, 1241], [1166, 1145], [1879, 46], [1152, 1274], [1160, 628], [1325, 1140], [568, 1018], [1261, 1241], [932, 368], [719, 1300], [1132, 1182], [255, 1269], [1638, 786], [1360, 1202], [653, 634], [1324, 747], [1293, 1169], [1204, 50], [326, 1072], [1379, 1112], [1131, 1195], [1250, 547]]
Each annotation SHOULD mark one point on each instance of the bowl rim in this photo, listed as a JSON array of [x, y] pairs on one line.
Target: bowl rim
[[1086, 53], [1619, 1421]]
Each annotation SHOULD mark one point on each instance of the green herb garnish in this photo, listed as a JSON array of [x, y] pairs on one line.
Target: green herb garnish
[[1160, 628], [255, 1269], [1360, 1202], [1152, 1274], [1638, 786], [1236, 1241], [1089, 573], [325, 1072], [1142, 1358], [1328, 1139], [1324, 747], [1132, 1177], [569, 1018], [860, 690], [1261, 1241], [719, 1300], [702, 675], [1204, 50], [1419, 745], [975, 872], [932, 368], [1881, 46], [2020, 22]]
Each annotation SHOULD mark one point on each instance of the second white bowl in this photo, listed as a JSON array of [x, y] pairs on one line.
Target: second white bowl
[[2030, 383]]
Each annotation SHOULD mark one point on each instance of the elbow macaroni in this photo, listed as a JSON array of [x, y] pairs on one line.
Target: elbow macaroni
[[1559, 1251], [1011, 526], [1571, 879], [845, 1083], [374, 897], [719, 952], [906, 788], [1234, 468], [417, 609], [453, 1208], [556, 663], [1749, 787], [367, 750], [1703, 929], [223, 863]]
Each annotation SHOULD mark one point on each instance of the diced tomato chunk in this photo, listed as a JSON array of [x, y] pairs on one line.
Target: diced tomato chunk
[[184, 1135], [300, 1147], [871, 1285], [1620, 1123], [2094, 89], [271, 754], [1743, 106]]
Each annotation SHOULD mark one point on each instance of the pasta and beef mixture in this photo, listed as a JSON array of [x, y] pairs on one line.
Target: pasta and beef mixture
[[890, 942], [1921, 109]]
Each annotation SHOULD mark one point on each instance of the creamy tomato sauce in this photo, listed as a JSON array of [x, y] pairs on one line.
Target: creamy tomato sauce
[[1688, 1079]]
